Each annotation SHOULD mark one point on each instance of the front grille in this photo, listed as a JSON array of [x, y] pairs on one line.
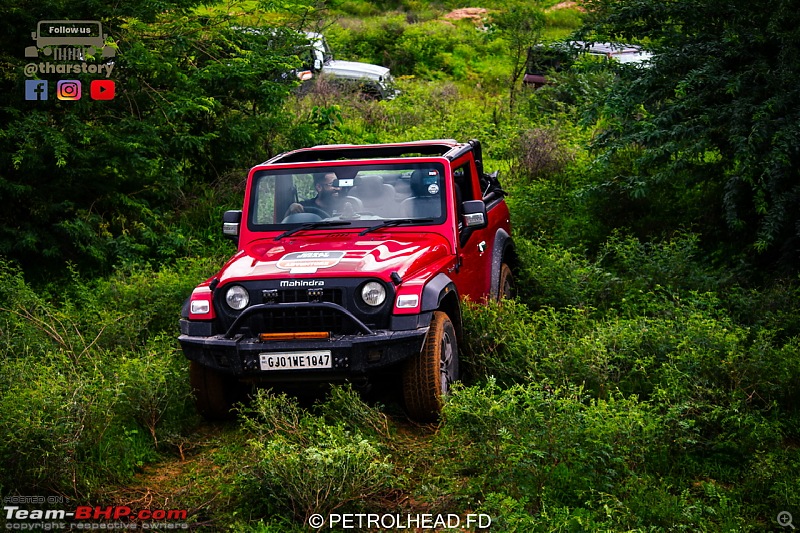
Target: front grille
[[304, 295], [276, 314], [279, 319]]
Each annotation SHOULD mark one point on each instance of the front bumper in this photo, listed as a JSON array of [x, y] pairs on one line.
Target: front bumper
[[352, 355]]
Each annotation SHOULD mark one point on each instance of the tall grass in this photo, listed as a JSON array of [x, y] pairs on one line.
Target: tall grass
[[91, 386]]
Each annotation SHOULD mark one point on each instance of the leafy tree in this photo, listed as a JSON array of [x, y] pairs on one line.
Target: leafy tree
[[94, 182], [521, 25], [719, 108]]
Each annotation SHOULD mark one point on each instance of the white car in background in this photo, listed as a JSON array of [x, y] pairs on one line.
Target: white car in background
[[543, 59], [371, 80], [624, 53]]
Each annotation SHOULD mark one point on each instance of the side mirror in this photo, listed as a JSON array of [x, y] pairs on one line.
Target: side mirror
[[474, 214], [230, 224]]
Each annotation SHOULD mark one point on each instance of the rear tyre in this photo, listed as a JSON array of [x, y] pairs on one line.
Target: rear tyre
[[428, 375], [506, 286], [214, 393]]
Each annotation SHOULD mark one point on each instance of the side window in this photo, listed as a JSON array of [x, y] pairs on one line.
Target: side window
[[462, 177], [462, 183], [265, 201], [465, 185]]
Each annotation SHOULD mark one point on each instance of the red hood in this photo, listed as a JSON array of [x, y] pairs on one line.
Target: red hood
[[336, 254]]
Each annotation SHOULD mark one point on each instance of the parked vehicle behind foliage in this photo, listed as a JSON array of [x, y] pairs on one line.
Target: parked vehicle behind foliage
[[317, 62], [545, 59], [371, 80]]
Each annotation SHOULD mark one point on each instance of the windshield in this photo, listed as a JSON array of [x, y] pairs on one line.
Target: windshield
[[365, 195]]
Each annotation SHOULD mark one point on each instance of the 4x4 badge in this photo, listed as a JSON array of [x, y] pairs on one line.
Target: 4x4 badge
[[309, 262]]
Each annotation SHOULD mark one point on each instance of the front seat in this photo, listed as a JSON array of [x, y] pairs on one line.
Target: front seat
[[427, 191], [376, 196]]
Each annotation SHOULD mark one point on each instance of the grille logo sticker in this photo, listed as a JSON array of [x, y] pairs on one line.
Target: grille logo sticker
[[302, 283], [309, 262]]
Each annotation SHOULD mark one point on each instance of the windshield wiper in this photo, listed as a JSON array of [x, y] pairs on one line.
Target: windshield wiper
[[313, 225], [393, 222]]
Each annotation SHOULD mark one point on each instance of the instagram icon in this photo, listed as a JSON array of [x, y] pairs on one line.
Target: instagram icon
[[68, 90]]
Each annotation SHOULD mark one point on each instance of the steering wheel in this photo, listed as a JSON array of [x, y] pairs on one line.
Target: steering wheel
[[296, 218], [316, 210]]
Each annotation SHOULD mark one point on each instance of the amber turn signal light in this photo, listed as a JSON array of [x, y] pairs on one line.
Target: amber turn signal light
[[296, 336]]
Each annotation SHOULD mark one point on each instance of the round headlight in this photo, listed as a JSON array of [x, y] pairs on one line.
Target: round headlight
[[373, 293], [237, 297]]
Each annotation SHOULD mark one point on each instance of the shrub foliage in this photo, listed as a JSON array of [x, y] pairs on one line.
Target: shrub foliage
[[645, 378]]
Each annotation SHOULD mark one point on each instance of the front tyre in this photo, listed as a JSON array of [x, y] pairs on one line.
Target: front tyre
[[505, 289], [215, 394], [428, 375]]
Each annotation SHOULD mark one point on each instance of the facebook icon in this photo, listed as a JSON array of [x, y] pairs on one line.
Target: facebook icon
[[35, 90]]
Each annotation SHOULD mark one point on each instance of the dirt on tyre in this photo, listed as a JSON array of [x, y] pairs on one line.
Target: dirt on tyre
[[428, 375], [506, 283], [215, 394]]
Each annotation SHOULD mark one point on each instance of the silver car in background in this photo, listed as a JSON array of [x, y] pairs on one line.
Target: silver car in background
[[371, 80]]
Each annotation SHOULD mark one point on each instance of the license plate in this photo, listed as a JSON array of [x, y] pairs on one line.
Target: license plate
[[295, 360]]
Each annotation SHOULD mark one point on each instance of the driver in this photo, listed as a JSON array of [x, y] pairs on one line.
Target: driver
[[327, 198]]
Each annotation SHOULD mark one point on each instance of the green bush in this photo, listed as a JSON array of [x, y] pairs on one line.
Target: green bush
[[775, 306], [677, 263], [120, 311], [426, 47], [91, 381], [550, 275], [145, 301], [307, 464], [156, 389], [561, 21], [625, 272], [53, 415], [26, 320], [539, 458], [718, 397], [368, 39], [541, 444], [75, 427], [652, 352]]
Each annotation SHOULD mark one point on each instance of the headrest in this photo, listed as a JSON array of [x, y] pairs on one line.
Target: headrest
[[391, 177], [425, 182], [371, 182]]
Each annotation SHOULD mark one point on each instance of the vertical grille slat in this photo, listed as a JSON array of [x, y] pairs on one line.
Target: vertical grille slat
[[303, 319], [301, 295]]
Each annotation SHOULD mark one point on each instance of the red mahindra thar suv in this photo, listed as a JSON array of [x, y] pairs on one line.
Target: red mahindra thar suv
[[352, 263]]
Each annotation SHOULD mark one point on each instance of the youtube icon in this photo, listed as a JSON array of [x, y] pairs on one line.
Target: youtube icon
[[102, 89]]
